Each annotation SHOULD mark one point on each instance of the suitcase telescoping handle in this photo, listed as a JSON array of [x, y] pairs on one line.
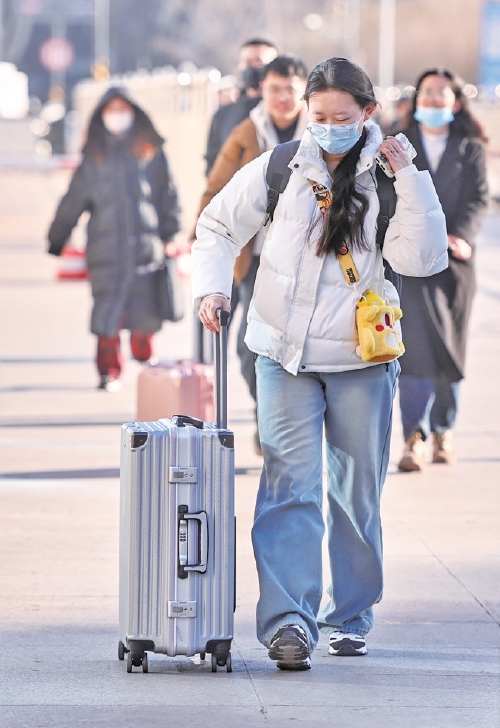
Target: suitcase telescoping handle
[[221, 370]]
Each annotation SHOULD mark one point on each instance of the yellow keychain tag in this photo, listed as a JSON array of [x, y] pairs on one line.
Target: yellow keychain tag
[[347, 265]]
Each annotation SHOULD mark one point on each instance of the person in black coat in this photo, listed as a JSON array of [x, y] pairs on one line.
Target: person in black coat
[[451, 145], [124, 183], [253, 56]]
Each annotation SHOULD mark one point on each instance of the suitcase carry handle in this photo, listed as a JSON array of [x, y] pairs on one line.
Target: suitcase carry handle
[[201, 566], [221, 370], [183, 420]]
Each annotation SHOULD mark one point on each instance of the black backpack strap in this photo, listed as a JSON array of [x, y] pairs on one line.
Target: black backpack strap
[[278, 173], [387, 198]]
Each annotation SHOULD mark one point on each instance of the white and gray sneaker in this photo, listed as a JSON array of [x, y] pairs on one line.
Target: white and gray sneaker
[[346, 644], [290, 648]]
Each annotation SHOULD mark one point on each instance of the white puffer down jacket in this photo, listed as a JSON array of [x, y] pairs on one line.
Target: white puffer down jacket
[[303, 310]]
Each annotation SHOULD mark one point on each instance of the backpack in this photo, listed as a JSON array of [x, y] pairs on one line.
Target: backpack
[[277, 176]]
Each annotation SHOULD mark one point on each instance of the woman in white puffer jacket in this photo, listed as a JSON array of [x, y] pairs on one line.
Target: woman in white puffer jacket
[[301, 326]]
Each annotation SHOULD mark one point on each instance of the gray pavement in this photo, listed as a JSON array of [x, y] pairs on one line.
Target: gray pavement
[[434, 651]]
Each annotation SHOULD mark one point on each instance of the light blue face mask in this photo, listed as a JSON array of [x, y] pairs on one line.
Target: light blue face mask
[[433, 117], [335, 138]]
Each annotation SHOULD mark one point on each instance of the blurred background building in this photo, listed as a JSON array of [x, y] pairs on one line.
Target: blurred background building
[[58, 42], [58, 56]]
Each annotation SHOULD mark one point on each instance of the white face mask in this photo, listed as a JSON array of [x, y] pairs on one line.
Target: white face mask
[[118, 122]]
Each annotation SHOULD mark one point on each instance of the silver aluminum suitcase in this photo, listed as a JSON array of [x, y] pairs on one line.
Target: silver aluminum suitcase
[[177, 534]]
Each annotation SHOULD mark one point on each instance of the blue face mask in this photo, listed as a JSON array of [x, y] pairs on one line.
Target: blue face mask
[[433, 117], [335, 138]]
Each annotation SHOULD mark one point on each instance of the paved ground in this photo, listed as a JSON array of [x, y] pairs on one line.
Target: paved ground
[[434, 653]]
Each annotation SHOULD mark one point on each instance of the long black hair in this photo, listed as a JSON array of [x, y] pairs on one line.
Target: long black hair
[[344, 222], [465, 122]]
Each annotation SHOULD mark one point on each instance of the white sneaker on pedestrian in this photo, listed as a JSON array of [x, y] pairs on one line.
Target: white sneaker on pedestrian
[[109, 384], [346, 644]]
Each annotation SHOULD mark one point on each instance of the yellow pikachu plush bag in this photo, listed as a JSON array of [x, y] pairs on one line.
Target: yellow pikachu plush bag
[[379, 339]]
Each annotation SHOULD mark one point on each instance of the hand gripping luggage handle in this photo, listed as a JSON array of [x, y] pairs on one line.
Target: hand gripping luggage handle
[[201, 566], [221, 370]]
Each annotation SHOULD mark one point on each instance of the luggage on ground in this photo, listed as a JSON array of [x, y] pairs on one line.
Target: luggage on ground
[[177, 534], [169, 387]]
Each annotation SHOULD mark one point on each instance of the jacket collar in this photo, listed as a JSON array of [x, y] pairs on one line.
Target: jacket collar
[[267, 136], [451, 151], [309, 161]]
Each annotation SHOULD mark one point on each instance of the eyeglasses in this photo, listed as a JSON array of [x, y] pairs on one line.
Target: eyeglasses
[[442, 95], [289, 92]]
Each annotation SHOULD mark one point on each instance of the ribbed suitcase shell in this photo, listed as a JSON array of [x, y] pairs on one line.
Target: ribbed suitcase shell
[[166, 388], [165, 466]]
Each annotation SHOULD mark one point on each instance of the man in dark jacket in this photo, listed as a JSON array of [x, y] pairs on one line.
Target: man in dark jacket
[[254, 55]]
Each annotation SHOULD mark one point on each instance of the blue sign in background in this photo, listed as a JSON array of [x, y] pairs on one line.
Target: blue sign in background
[[489, 74]]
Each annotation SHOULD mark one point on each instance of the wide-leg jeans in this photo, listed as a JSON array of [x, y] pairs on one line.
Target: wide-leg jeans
[[354, 409]]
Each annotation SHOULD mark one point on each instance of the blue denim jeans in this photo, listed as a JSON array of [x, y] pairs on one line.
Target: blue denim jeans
[[354, 409], [427, 404]]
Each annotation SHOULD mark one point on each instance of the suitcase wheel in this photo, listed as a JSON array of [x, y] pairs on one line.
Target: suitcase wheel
[[121, 650], [202, 655], [136, 659], [221, 662]]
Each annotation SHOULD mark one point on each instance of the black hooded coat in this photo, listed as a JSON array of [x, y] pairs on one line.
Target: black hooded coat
[[125, 185], [436, 310]]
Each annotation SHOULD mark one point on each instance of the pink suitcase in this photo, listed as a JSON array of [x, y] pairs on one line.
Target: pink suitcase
[[179, 387]]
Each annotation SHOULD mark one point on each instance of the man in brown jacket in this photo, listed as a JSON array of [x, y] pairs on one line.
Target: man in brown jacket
[[280, 117]]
